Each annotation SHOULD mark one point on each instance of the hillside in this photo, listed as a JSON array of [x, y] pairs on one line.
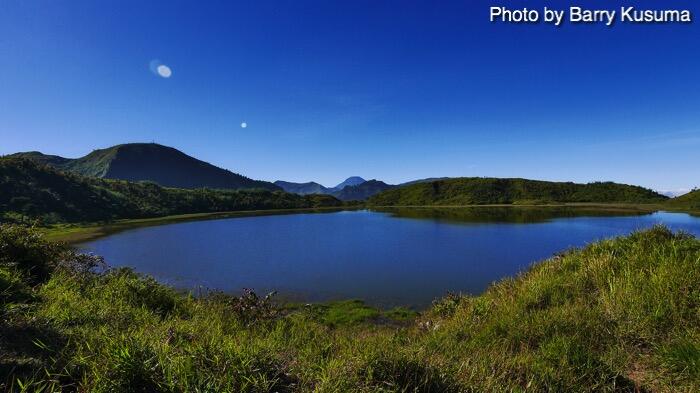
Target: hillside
[[481, 191], [621, 315], [426, 180], [361, 191], [29, 190], [164, 165], [690, 201], [302, 188]]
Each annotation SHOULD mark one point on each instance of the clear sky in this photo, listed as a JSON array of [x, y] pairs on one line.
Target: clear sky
[[393, 90]]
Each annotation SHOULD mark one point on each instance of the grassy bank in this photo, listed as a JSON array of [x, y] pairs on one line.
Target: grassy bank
[[619, 315]]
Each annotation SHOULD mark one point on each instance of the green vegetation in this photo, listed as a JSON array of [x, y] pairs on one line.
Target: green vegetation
[[689, 201], [619, 315], [149, 162], [30, 191], [486, 191]]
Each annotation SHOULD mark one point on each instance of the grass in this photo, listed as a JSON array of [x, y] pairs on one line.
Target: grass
[[619, 315]]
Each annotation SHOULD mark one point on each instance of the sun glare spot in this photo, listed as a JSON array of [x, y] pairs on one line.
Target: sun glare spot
[[164, 71], [160, 69]]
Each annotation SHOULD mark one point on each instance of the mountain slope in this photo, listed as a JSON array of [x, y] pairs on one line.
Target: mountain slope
[[480, 191], [44, 159], [361, 191], [302, 188], [690, 200], [426, 180], [353, 188], [350, 181], [29, 190], [164, 165]]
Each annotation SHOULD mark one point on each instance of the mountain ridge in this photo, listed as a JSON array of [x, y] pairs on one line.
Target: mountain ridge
[[362, 191], [350, 181], [160, 164], [302, 188], [482, 190], [353, 188]]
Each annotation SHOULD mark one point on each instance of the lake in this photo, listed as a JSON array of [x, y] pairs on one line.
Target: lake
[[395, 257]]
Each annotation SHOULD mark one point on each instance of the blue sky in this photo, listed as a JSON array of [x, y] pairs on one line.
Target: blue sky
[[394, 90]]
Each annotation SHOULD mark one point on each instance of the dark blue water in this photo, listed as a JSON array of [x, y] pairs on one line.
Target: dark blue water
[[406, 257]]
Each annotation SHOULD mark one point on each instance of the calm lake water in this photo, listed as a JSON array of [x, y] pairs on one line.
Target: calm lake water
[[388, 258]]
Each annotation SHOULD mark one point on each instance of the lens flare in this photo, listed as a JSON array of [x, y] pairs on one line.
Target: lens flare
[[164, 71], [160, 69]]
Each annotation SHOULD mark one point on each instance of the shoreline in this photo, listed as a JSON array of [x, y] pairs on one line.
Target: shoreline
[[75, 233]]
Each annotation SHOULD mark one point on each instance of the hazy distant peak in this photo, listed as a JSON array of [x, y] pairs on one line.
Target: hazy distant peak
[[350, 181]]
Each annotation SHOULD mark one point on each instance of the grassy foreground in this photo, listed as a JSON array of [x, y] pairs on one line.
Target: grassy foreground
[[619, 315]]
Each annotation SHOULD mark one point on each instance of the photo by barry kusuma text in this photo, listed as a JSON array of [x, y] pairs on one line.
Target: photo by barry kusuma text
[[580, 15]]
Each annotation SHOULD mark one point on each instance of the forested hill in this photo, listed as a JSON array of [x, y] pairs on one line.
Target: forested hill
[[481, 191], [29, 190], [164, 165]]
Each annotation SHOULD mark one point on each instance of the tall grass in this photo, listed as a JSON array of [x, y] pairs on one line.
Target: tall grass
[[619, 315]]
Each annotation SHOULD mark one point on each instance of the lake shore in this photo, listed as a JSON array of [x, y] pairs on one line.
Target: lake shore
[[78, 233], [83, 232]]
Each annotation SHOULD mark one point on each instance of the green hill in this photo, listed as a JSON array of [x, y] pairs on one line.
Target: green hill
[[29, 190], [164, 165], [482, 191], [690, 201]]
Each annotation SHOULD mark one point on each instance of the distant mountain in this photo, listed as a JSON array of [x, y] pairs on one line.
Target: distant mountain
[[30, 190], [44, 159], [674, 193], [352, 189], [362, 191], [481, 191], [164, 165], [350, 181], [303, 188]]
